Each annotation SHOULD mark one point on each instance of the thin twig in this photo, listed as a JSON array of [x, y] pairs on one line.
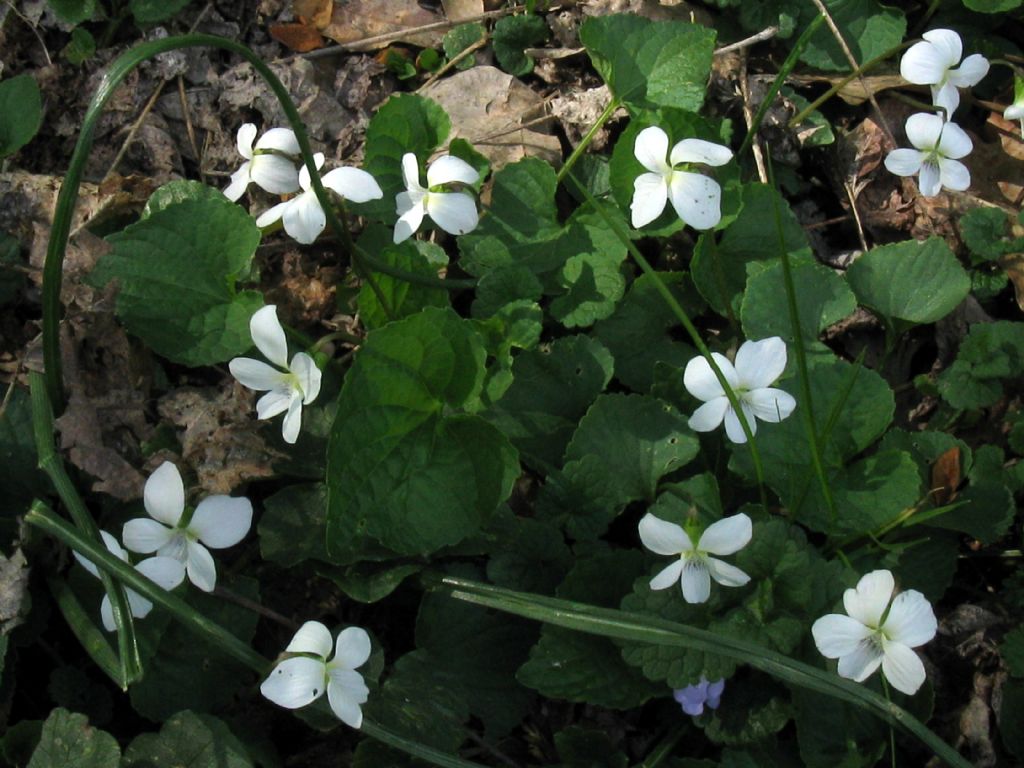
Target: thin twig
[[188, 127], [452, 62], [252, 605], [748, 118], [765, 34], [30, 25]]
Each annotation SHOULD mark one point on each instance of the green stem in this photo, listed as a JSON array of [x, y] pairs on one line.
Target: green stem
[[50, 463], [613, 105], [94, 642], [624, 625]]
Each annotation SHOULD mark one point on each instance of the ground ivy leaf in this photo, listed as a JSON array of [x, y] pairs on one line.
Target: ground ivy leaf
[[459, 38], [867, 494], [650, 64], [917, 282], [369, 582], [868, 27], [754, 707], [21, 113], [503, 286], [293, 529], [582, 747], [832, 733], [399, 450], [68, 740], [990, 353], [177, 270], [188, 740], [527, 554], [592, 277], [179, 191], [514, 33], [583, 498], [987, 234]]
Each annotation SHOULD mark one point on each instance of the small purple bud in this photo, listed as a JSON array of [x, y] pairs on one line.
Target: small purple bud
[[694, 697]]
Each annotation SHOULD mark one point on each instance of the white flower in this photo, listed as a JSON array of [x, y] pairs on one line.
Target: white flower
[[166, 572], [696, 198], [217, 522], [877, 633], [931, 63], [940, 145], [301, 680], [694, 569], [758, 365], [454, 212], [270, 170], [302, 216], [297, 385], [1016, 110]]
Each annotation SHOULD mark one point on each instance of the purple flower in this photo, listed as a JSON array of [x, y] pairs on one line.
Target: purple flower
[[694, 697]]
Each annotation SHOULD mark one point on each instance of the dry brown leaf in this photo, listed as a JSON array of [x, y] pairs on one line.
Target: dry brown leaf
[[858, 90], [358, 19], [297, 36], [946, 476], [14, 573], [1013, 265], [315, 12], [487, 108], [457, 10], [578, 111]]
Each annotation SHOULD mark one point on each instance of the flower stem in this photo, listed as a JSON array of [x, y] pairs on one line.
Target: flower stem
[[580, 148]]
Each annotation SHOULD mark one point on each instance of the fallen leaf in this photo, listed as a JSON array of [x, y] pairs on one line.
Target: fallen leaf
[[858, 90], [14, 572], [297, 36], [315, 12], [946, 476], [356, 20], [578, 111], [458, 10], [1013, 265]]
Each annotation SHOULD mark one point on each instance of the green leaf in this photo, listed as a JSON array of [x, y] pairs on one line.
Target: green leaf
[[177, 271], [815, 130], [1012, 651], [20, 478], [832, 734], [179, 191], [868, 28], [527, 554], [403, 298], [650, 64], [459, 38], [369, 582], [514, 33], [986, 232], [582, 747], [917, 282], [81, 47], [73, 11], [69, 740], [155, 11], [1011, 715], [400, 451], [11, 279], [188, 740], [503, 286], [753, 709], [990, 508], [868, 494], [294, 527], [21, 113], [990, 353], [992, 6]]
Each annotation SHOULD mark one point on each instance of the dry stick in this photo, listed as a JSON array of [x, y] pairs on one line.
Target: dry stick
[[252, 605], [188, 127], [452, 62], [848, 188], [856, 68], [765, 34], [30, 25], [748, 118]]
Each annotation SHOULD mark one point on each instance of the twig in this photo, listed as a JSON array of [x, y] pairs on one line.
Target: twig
[[188, 127], [30, 25], [252, 605], [856, 214], [748, 118], [452, 62], [765, 34]]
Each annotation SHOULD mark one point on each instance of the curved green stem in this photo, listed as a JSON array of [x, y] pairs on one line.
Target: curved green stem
[[580, 148]]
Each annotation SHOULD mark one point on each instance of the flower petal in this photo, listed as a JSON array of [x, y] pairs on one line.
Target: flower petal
[[947, 44], [837, 635], [454, 212], [911, 620], [281, 139], [292, 420], [448, 168], [770, 404], [244, 138], [970, 72], [312, 637], [144, 535], [733, 428], [275, 174], [902, 667], [165, 572], [268, 335], [695, 581], [904, 162], [410, 217], [138, 606], [701, 382], [304, 219], [164, 495], [663, 537], [255, 374], [411, 171], [700, 151], [176, 547], [309, 375], [107, 614], [353, 184], [274, 402], [760, 363], [200, 567], [272, 214], [709, 416], [954, 142], [345, 692], [352, 649], [869, 599], [954, 175], [221, 521], [726, 536], [295, 682], [930, 180], [923, 130], [947, 97], [862, 663], [650, 193], [715, 690], [696, 198], [726, 574], [112, 546], [651, 149], [924, 64], [239, 182], [668, 576]]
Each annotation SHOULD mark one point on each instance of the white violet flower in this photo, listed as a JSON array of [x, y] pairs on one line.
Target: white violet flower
[[303, 217], [289, 389], [217, 522], [878, 633], [939, 147], [695, 568], [931, 62], [758, 365], [166, 572], [454, 212], [697, 199], [302, 679], [1016, 110], [267, 164]]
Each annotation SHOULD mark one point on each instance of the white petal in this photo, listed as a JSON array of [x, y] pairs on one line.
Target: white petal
[[651, 149], [345, 692], [144, 535], [312, 637], [268, 335], [930, 180], [107, 614], [176, 547], [902, 667], [904, 162], [308, 374], [911, 620], [701, 382], [274, 402], [454, 212], [304, 182], [304, 219], [837, 635], [668, 576], [281, 139], [709, 415], [700, 151], [352, 649], [663, 537], [770, 404], [221, 521], [112, 546], [255, 374], [696, 198], [923, 130], [244, 138], [164, 495], [353, 184], [760, 363], [650, 193], [868, 601], [277, 175], [970, 72], [165, 572], [295, 682], [411, 216], [947, 97], [411, 171], [137, 604], [239, 182], [695, 581], [924, 64], [948, 45], [726, 536], [954, 142], [733, 428], [292, 420], [954, 175], [448, 168], [272, 214], [200, 567], [725, 574], [862, 663]]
